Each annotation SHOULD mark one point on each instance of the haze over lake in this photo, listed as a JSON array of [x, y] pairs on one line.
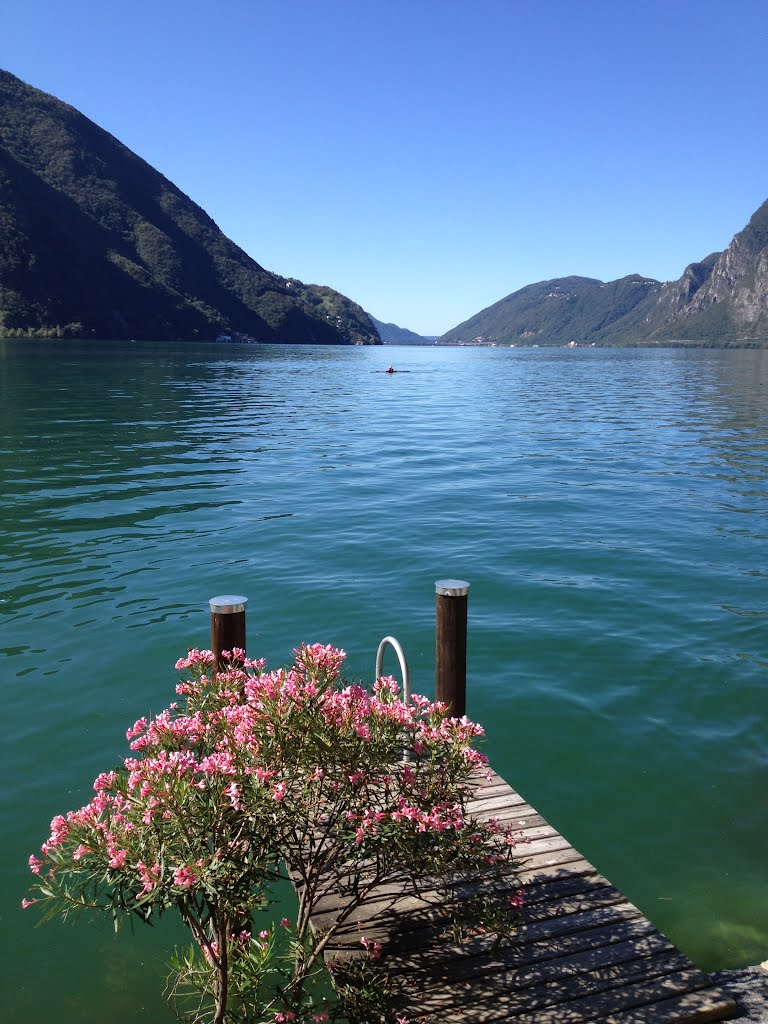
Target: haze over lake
[[607, 506]]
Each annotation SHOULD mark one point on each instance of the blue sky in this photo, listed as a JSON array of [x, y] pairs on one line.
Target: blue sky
[[428, 157]]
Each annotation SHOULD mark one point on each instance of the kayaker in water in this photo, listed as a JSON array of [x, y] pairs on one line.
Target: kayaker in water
[[391, 369]]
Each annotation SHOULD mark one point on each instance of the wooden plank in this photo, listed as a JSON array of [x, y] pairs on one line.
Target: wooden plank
[[501, 996], [599, 1005], [693, 1008], [520, 819], [575, 881], [526, 970], [562, 948], [578, 903], [484, 778], [538, 861], [403, 930], [497, 787], [560, 896], [494, 798], [689, 985]]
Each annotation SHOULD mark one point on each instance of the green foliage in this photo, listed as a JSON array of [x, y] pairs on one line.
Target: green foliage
[[156, 251]]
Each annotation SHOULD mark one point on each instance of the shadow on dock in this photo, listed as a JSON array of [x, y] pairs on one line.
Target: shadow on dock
[[583, 952]]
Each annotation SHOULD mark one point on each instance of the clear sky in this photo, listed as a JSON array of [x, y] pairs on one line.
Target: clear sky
[[428, 157]]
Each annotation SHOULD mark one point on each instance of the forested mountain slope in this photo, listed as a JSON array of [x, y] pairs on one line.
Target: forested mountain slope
[[96, 243]]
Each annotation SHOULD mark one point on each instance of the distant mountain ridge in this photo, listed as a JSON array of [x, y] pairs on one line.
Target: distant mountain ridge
[[391, 334], [96, 243], [721, 300]]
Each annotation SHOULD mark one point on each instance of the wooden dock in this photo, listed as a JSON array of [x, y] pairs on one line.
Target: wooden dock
[[584, 953]]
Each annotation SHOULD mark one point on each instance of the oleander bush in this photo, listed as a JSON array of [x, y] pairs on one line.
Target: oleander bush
[[254, 776]]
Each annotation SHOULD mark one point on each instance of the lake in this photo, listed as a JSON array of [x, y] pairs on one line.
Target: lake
[[608, 507]]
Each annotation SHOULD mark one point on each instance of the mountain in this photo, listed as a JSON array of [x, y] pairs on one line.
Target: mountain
[[557, 312], [96, 243], [391, 334], [721, 300]]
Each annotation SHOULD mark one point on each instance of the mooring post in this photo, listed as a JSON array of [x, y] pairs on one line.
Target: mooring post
[[451, 645], [227, 624]]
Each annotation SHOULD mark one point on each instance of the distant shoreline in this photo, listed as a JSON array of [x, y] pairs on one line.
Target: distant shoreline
[[644, 346]]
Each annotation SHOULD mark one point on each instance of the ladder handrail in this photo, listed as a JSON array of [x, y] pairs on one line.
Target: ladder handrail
[[395, 645]]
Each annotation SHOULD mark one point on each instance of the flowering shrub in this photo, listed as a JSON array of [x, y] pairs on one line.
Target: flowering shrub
[[258, 775]]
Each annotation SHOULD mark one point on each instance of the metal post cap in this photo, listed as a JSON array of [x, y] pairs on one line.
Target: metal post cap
[[451, 588], [227, 604]]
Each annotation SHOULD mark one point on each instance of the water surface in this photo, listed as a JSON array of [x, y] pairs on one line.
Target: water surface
[[607, 507]]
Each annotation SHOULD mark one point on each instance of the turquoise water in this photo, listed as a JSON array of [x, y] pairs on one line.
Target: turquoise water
[[609, 509]]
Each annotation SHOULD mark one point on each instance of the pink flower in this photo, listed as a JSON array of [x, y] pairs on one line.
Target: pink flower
[[195, 658], [149, 876], [27, 903], [136, 729], [285, 923], [372, 948], [117, 860], [264, 935], [184, 876], [35, 864], [320, 1016], [516, 899], [105, 781], [80, 852], [59, 832], [278, 793]]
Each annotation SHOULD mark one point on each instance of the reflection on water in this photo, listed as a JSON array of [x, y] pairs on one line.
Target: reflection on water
[[608, 507]]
